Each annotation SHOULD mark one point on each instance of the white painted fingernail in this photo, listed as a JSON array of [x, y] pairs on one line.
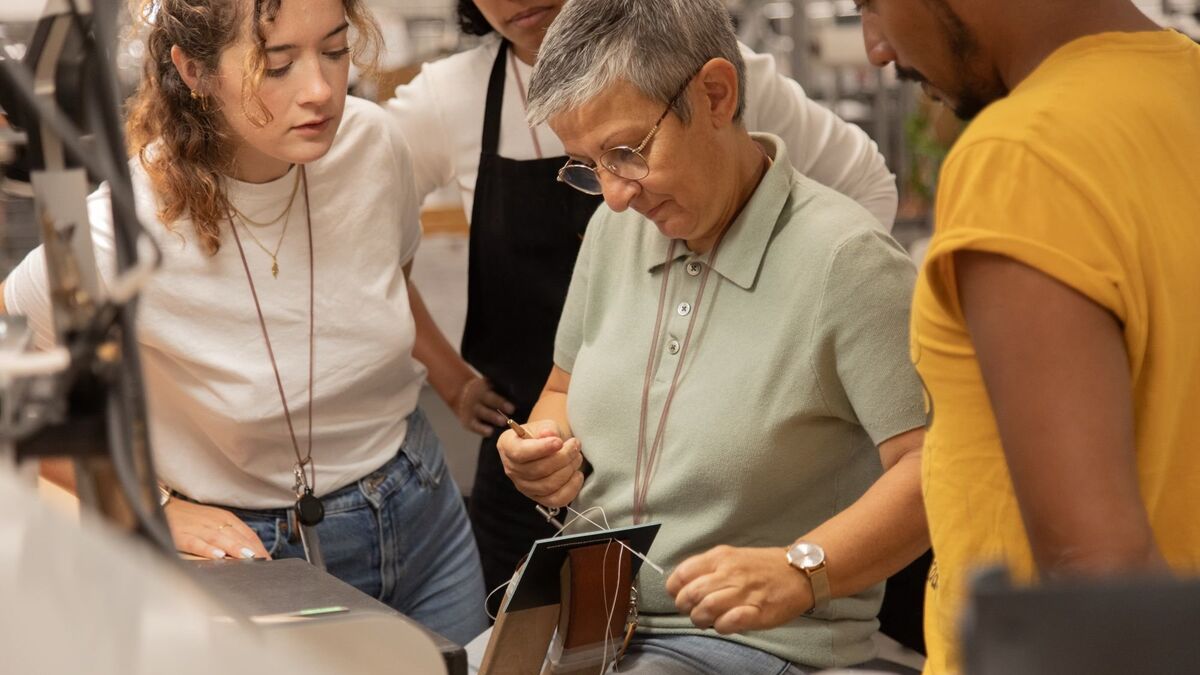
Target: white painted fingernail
[[247, 553], [218, 553]]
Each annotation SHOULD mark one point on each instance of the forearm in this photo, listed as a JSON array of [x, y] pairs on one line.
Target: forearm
[[879, 196], [1097, 528], [1126, 547], [447, 370], [842, 156], [868, 180], [735, 589], [877, 535], [552, 405]]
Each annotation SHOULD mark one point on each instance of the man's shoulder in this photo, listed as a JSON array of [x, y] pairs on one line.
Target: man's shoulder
[[1062, 115]]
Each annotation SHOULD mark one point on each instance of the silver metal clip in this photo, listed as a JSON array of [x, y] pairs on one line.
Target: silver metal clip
[[312, 546], [551, 515]]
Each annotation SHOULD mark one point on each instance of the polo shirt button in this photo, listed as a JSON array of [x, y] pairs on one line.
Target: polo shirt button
[[673, 347], [684, 308], [693, 268]]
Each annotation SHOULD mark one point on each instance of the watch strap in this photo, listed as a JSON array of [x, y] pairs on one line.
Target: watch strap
[[820, 588]]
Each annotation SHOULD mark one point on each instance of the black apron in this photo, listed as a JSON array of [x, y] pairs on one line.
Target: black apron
[[526, 229]]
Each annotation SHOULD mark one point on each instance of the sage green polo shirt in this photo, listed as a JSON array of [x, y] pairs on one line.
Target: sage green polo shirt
[[798, 368]]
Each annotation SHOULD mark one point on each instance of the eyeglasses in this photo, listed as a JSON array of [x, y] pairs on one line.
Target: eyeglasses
[[622, 161]]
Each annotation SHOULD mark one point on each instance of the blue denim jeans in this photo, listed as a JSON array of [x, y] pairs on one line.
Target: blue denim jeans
[[400, 535], [693, 654]]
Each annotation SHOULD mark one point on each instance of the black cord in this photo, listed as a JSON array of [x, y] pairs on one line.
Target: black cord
[[133, 444]]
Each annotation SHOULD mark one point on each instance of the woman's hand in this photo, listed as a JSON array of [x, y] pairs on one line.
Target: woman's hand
[[210, 532], [544, 468], [476, 405], [733, 590]]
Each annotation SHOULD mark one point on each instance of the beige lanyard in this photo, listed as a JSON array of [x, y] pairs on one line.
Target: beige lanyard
[[308, 484], [307, 504], [644, 470], [309, 510]]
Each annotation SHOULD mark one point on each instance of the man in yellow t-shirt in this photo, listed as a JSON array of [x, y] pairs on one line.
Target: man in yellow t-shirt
[[1056, 322]]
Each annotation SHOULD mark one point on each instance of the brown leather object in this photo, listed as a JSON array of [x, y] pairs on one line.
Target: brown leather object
[[519, 641], [596, 587], [592, 578]]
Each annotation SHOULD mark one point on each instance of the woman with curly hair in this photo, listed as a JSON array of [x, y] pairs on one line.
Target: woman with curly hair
[[281, 334]]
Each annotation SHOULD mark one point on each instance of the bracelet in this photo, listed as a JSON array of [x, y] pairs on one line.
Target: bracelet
[[462, 394]]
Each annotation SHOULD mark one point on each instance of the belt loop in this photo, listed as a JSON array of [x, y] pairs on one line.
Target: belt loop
[[293, 527]]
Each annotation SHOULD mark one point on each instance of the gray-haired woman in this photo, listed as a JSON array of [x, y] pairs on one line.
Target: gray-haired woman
[[732, 357], [464, 120]]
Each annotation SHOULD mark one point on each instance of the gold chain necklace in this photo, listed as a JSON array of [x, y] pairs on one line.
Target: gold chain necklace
[[274, 254], [286, 215], [286, 210]]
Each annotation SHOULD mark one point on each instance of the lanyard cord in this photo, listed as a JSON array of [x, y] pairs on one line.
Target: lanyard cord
[[537, 147], [644, 469], [309, 482]]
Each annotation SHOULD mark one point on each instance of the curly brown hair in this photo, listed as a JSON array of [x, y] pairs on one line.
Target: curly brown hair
[[182, 140]]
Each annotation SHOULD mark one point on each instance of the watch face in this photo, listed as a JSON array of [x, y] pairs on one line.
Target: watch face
[[805, 555]]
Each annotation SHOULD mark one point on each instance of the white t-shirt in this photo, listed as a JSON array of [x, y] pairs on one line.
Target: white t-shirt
[[441, 113], [216, 422]]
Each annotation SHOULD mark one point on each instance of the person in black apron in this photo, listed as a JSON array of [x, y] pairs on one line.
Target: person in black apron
[[522, 215]]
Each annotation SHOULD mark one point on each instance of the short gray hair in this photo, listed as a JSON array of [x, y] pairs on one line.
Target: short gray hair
[[655, 45]]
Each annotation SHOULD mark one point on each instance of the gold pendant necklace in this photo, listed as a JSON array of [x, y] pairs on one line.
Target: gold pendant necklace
[[286, 215], [273, 254]]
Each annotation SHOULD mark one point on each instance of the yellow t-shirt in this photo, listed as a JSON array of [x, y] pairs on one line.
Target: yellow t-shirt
[[1090, 172]]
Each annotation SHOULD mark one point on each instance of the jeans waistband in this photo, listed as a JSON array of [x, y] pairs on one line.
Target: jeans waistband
[[373, 486]]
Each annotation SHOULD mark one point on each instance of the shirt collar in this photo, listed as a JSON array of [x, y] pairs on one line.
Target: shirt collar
[[745, 244]]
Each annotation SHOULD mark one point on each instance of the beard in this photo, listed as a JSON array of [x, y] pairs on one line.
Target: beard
[[968, 105], [966, 102], [973, 92]]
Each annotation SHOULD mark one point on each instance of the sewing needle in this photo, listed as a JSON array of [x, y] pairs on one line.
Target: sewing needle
[[548, 513]]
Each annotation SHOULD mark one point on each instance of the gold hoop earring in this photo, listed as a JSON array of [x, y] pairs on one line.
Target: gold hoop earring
[[201, 100]]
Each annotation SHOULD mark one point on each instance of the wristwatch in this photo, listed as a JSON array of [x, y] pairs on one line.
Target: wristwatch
[[810, 559]]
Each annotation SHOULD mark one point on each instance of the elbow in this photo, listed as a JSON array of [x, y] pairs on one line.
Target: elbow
[[1111, 557], [884, 201]]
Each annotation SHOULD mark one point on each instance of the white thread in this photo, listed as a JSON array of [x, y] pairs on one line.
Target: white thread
[[646, 560], [579, 515], [604, 596], [604, 593], [489, 598]]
